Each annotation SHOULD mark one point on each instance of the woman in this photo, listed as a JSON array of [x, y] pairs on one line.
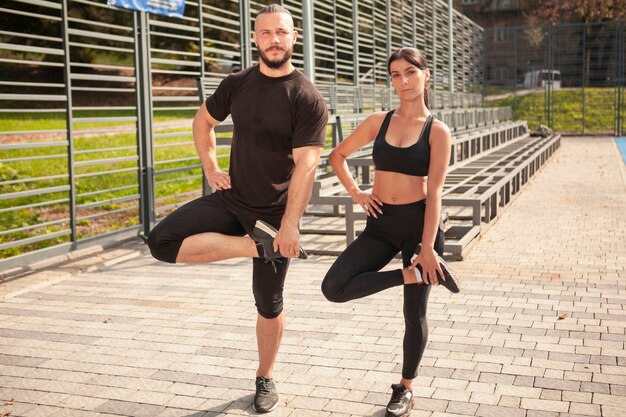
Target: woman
[[411, 153]]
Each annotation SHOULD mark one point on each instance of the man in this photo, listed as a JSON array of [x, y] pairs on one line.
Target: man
[[279, 131]]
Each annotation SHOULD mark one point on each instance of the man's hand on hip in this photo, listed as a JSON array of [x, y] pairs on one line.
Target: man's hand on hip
[[218, 180]]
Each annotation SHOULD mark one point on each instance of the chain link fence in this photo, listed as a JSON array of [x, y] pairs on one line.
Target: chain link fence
[[569, 77]]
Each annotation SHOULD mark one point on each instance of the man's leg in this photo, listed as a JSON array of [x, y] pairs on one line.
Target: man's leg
[[267, 285], [269, 333], [211, 247], [201, 231]]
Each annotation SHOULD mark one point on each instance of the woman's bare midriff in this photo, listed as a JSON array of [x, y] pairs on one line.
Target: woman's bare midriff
[[396, 188]]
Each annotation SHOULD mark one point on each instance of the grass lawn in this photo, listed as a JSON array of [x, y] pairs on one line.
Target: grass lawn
[[567, 110], [56, 120]]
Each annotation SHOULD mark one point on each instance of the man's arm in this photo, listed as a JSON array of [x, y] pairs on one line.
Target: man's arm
[[306, 160], [206, 146]]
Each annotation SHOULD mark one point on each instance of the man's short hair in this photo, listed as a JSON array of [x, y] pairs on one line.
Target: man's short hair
[[273, 8]]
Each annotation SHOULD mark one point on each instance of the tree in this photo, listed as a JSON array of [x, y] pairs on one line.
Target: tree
[[575, 11]]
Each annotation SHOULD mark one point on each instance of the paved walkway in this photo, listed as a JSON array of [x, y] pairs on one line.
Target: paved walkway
[[537, 331]]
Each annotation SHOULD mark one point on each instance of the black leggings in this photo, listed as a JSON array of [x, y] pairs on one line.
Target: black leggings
[[355, 272], [220, 213]]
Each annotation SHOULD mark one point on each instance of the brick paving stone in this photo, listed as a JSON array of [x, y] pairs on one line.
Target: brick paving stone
[[509, 401], [496, 378], [464, 408], [347, 407], [551, 394], [485, 398], [39, 411], [544, 405], [585, 409], [609, 411], [537, 413], [129, 408], [514, 390], [557, 384], [485, 410]]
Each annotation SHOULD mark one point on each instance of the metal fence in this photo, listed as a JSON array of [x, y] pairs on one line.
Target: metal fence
[[95, 102], [570, 76]]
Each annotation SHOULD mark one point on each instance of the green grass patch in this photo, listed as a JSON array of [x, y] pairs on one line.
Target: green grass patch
[[567, 116], [10, 122]]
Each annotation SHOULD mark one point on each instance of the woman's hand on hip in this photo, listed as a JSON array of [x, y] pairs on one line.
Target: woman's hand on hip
[[369, 202]]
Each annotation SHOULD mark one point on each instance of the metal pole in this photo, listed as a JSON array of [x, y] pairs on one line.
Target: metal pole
[[201, 38], [451, 46], [434, 64], [619, 77], [621, 59], [584, 74], [515, 67], [308, 39], [388, 35], [67, 73], [335, 63], [486, 33], [355, 40], [144, 120], [245, 38], [414, 25]]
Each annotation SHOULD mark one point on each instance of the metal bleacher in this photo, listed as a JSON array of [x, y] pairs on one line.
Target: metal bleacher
[[492, 158]]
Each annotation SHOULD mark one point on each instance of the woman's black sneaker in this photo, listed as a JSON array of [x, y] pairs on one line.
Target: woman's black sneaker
[[401, 401], [450, 276], [266, 397]]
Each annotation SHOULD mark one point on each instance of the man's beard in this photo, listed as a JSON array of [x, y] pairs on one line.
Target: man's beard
[[277, 64]]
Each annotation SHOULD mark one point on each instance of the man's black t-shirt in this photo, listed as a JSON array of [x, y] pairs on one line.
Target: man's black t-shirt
[[271, 116]]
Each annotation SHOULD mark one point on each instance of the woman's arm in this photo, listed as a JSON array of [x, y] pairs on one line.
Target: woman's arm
[[440, 148], [362, 135]]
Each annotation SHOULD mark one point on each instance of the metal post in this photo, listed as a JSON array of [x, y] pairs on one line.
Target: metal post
[[201, 39], [355, 40], [335, 63], [308, 39], [619, 77], [485, 57], [584, 75], [515, 67], [546, 65], [205, 185], [245, 38], [621, 58], [414, 25], [451, 46], [388, 35], [434, 65], [144, 120], [67, 73]]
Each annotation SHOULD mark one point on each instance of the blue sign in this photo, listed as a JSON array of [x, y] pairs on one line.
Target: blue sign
[[174, 8]]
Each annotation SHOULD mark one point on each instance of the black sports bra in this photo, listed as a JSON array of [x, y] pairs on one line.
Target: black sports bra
[[411, 160]]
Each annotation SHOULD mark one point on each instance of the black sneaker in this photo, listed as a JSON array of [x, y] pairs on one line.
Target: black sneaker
[[263, 234], [266, 397], [401, 401], [450, 276]]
